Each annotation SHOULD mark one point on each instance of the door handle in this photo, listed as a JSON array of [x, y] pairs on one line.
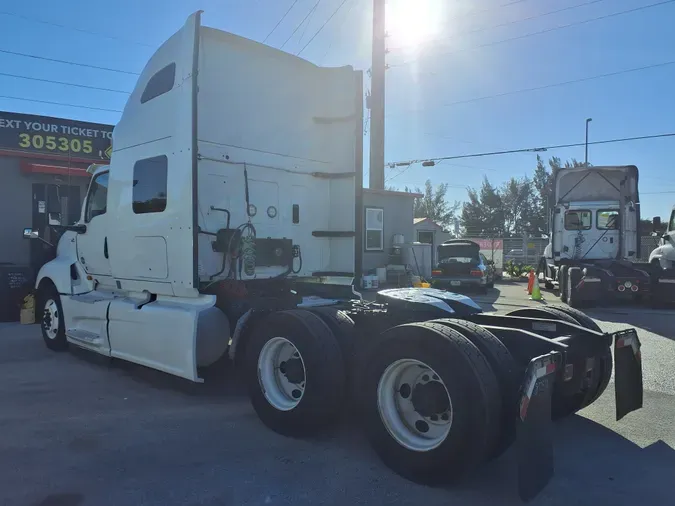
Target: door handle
[[105, 247]]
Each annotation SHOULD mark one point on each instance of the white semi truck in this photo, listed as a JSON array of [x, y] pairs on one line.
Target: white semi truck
[[663, 256], [229, 223], [594, 249]]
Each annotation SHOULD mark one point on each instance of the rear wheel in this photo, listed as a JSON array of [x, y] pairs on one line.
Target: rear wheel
[[52, 323], [505, 369], [430, 403], [605, 362], [294, 372], [565, 405]]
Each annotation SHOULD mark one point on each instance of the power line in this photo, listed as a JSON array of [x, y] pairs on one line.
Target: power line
[[545, 86], [541, 32], [280, 20], [306, 27], [59, 103], [66, 62], [338, 30], [436, 160], [64, 83], [508, 23], [81, 30], [301, 23], [657, 193], [322, 26]]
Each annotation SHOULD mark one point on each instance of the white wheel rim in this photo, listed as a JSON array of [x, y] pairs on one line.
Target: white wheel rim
[[281, 373], [50, 319], [404, 410]]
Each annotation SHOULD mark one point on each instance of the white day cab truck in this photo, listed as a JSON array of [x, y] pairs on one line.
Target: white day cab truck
[[229, 223], [594, 246], [663, 256]]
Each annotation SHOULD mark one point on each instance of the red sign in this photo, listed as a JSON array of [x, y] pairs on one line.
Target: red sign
[[488, 244]]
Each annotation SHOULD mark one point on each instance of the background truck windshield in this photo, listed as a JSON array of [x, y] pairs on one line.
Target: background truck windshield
[[578, 220]]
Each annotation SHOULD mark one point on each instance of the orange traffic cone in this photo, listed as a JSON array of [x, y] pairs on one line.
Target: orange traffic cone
[[536, 291], [530, 281]]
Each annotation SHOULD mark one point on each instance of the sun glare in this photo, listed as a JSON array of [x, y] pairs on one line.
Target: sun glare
[[412, 22]]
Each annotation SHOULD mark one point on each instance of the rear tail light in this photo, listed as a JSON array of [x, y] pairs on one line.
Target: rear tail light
[[634, 288], [622, 288], [477, 273], [436, 272]]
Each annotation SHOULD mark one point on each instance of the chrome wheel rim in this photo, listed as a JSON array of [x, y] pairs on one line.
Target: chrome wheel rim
[[50, 319], [281, 373], [414, 405]]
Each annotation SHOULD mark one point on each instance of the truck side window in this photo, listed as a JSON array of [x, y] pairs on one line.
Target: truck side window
[[98, 197], [577, 220], [159, 84], [149, 193], [607, 220]]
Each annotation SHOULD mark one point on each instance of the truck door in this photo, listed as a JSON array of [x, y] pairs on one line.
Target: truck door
[[607, 225], [92, 245]]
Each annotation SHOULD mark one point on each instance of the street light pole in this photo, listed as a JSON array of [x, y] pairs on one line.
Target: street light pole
[[377, 89], [588, 120]]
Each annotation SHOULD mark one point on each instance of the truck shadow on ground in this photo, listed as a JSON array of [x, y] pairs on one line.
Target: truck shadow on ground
[[592, 465], [222, 380], [660, 322]]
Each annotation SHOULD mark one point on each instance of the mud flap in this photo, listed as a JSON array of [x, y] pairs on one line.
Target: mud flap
[[627, 372], [534, 426]]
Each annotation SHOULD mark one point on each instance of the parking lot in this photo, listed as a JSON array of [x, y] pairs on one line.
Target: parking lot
[[81, 431]]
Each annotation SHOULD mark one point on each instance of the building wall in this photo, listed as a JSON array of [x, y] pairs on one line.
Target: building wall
[[398, 219], [439, 235], [16, 205]]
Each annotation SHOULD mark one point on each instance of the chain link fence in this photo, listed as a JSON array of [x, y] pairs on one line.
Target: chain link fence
[[529, 250]]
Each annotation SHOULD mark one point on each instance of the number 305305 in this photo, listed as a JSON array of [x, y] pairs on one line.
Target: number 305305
[[55, 143]]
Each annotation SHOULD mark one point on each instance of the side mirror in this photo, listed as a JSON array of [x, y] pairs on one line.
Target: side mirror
[[656, 223], [29, 233]]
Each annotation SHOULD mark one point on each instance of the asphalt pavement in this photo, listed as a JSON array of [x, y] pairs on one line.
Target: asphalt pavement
[[77, 430]]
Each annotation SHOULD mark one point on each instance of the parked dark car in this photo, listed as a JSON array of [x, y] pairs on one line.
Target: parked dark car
[[462, 265]]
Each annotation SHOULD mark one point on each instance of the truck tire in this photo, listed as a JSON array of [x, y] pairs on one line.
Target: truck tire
[[565, 405], [294, 372], [581, 318], [573, 279], [51, 320], [562, 283], [505, 369], [342, 327], [430, 403], [606, 364]]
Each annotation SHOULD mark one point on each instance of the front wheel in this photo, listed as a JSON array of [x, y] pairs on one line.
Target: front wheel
[[573, 280], [52, 323], [562, 283]]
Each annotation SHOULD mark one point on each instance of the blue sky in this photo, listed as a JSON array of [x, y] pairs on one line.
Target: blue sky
[[442, 52]]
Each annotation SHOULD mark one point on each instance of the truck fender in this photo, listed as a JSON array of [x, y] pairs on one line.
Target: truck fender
[[238, 331], [58, 272]]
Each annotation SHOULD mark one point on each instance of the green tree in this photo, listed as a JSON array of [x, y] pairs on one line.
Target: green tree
[[483, 214], [434, 205], [517, 200]]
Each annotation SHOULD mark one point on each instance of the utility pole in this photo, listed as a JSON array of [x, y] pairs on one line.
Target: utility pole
[[588, 120], [378, 67]]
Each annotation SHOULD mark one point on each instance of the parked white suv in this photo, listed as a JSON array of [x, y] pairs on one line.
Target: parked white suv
[[664, 254]]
